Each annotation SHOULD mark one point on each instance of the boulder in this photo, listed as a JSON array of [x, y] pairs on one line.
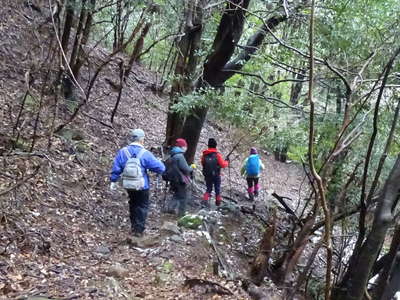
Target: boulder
[[170, 228], [146, 241], [71, 134], [177, 238], [229, 207], [104, 250], [117, 271]]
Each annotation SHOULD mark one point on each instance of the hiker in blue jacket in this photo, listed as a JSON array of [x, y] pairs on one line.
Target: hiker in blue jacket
[[138, 199], [251, 169]]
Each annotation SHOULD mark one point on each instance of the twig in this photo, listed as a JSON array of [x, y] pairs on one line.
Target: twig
[[220, 258], [97, 120], [18, 184], [216, 287], [283, 203], [335, 218], [262, 78], [6, 246], [156, 42]]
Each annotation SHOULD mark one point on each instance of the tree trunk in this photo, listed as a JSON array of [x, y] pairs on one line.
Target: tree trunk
[[137, 49], [288, 261], [218, 69], [384, 277], [117, 26], [79, 33], [140, 42], [120, 88], [260, 264], [81, 56], [352, 271], [228, 35], [185, 67], [339, 98], [370, 249], [394, 283], [69, 20], [296, 88]]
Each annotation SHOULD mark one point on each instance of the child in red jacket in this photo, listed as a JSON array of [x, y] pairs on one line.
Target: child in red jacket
[[212, 162]]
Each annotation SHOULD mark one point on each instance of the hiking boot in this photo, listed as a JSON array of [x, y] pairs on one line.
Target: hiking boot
[[256, 190], [136, 233], [251, 196], [205, 204], [206, 196], [218, 200]]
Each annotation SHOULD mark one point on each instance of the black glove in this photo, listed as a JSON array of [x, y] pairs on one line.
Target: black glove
[[227, 159]]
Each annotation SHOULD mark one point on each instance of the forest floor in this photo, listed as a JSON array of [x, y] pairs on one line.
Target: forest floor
[[64, 235]]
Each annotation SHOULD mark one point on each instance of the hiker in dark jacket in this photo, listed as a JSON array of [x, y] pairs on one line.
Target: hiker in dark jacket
[[138, 199], [212, 162], [180, 187]]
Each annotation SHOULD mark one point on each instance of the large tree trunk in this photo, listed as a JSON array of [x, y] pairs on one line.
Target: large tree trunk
[[394, 282], [370, 249], [218, 69], [185, 67], [384, 278], [228, 35]]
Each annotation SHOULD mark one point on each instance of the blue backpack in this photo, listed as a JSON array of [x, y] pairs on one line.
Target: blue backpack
[[253, 165]]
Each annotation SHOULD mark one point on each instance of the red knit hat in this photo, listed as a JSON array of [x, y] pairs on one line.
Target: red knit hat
[[181, 143]]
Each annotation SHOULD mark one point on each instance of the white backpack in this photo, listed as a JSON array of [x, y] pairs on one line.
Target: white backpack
[[133, 177]]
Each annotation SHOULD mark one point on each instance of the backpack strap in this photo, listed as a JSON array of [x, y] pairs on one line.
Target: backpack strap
[[211, 153], [127, 153], [140, 153]]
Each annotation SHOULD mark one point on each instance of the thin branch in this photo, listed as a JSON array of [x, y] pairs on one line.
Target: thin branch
[[341, 76], [271, 100], [156, 42], [321, 191], [336, 218], [385, 153], [263, 80], [18, 184], [97, 120], [365, 65]]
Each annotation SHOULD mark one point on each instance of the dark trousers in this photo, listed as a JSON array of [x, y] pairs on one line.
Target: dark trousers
[[179, 198], [138, 208], [215, 182], [252, 185]]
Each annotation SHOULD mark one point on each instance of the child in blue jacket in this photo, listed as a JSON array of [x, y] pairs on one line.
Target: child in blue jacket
[[251, 169]]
